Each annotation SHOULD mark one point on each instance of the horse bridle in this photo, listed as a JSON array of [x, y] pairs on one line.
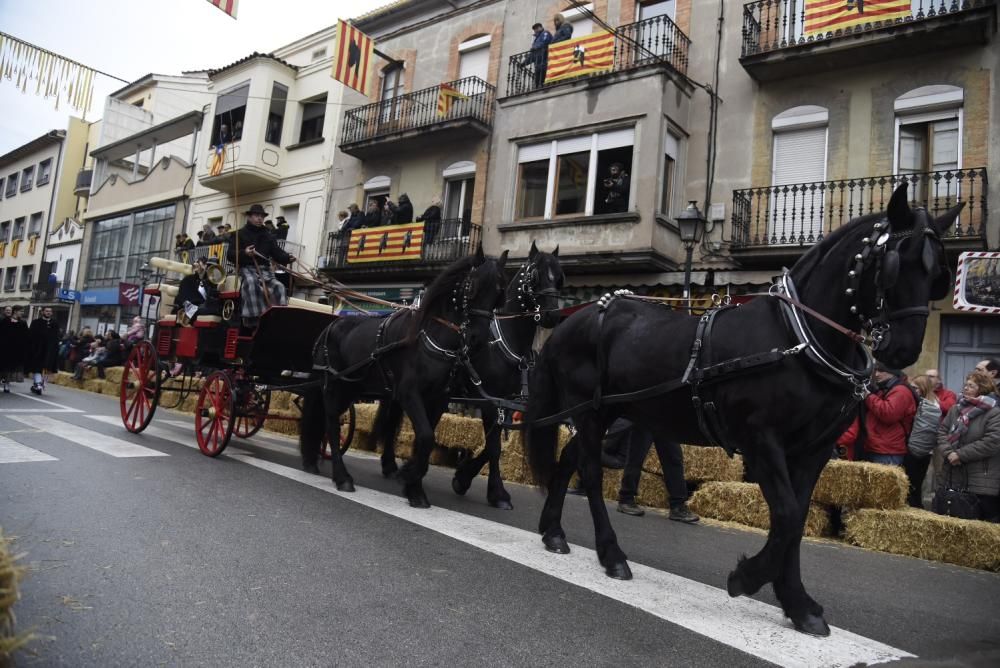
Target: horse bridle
[[527, 291]]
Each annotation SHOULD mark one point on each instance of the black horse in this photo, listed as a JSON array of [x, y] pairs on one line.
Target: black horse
[[408, 357], [800, 382], [501, 369]]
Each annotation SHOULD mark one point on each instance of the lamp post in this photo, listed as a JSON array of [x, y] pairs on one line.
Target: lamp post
[[690, 225], [145, 271]]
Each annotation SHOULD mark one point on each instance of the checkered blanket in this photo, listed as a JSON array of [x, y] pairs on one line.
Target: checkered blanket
[[253, 301]]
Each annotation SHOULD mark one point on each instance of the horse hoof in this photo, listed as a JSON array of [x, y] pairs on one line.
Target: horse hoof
[[812, 625], [345, 486], [619, 571], [734, 586], [311, 468], [390, 472], [419, 500], [556, 544], [458, 487], [502, 504]]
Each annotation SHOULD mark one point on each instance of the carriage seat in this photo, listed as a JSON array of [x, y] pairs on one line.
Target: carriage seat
[[230, 288], [207, 321]]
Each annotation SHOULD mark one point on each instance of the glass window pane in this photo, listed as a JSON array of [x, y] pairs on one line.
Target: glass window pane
[[531, 184], [614, 178], [571, 186]]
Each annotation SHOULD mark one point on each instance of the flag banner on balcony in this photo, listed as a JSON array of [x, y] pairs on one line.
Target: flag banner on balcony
[[32, 242], [228, 6], [352, 57], [591, 54], [45, 73], [387, 243], [128, 294], [823, 16], [446, 95], [3, 248], [14, 245], [218, 160]]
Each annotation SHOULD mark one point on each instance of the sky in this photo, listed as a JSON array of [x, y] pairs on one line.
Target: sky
[[132, 38]]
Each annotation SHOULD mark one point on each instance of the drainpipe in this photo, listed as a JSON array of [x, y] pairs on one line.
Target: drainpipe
[[52, 203]]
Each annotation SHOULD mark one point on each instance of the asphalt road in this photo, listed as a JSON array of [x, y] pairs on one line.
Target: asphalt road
[[157, 555]]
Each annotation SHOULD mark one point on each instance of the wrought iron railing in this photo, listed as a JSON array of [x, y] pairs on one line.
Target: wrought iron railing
[[769, 25], [453, 239], [420, 109], [802, 214], [220, 251], [653, 41]]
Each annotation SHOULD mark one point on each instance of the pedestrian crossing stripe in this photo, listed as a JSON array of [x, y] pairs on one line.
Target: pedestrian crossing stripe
[[12, 452], [108, 445]]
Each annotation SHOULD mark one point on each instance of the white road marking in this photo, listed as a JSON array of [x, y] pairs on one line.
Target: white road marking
[[50, 403], [109, 445], [159, 432], [39, 410], [12, 452], [745, 624], [254, 440]]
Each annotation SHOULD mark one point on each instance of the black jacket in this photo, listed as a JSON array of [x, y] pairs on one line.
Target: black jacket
[[13, 344], [355, 221], [563, 32], [43, 346], [263, 243], [404, 211], [112, 353], [373, 218], [188, 291]]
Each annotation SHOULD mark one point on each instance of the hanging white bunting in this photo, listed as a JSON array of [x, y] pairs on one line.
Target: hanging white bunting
[[52, 75]]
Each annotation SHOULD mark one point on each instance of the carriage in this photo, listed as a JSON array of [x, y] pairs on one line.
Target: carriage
[[231, 373]]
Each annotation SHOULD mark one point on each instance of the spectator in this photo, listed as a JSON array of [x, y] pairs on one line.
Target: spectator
[[201, 239], [404, 212], [354, 221], [82, 348], [991, 367], [222, 234], [135, 333], [186, 242], [923, 438], [431, 218], [969, 444], [616, 187], [65, 347], [95, 355], [539, 58], [880, 431], [269, 226], [564, 29], [373, 216], [281, 228], [114, 353], [388, 216], [208, 235], [945, 397], [672, 462]]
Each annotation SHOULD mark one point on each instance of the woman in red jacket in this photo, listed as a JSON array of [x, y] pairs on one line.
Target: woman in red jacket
[[888, 418]]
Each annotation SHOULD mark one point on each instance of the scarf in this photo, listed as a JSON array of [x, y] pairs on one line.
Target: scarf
[[968, 410]]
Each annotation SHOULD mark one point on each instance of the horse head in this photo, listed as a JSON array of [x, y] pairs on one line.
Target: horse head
[[900, 268], [536, 286], [470, 287]]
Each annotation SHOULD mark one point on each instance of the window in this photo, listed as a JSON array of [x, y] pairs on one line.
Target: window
[[27, 277], [391, 78], [929, 141], [1, 185], [116, 254], [584, 175], [67, 280], [4, 232], [313, 115], [18, 229], [655, 36], [35, 226], [10, 279], [579, 18], [27, 178], [651, 8], [671, 168], [474, 58], [458, 201], [319, 54], [11, 185], [276, 114], [376, 190], [230, 111], [44, 172], [800, 136]]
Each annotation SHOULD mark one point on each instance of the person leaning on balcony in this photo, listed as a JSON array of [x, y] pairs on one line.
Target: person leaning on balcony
[[388, 213], [354, 220], [539, 58], [431, 218], [404, 210], [373, 216], [564, 29]]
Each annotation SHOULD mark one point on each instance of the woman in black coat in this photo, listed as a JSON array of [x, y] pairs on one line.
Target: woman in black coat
[[431, 218], [13, 347], [43, 346]]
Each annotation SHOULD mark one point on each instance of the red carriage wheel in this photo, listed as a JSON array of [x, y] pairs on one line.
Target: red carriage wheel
[[250, 417], [213, 418], [347, 420], [139, 391]]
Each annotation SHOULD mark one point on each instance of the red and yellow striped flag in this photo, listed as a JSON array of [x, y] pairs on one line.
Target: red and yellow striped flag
[[386, 243], [352, 57], [824, 16], [228, 6], [591, 54], [446, 95]]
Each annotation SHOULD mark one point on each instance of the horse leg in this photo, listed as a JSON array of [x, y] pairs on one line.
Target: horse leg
[[334, 404], [805, 613], [388, 417], [414, 470], [550, 523], [467, 471], [312, 429], [767, 459], [591, 476], [496, 494]]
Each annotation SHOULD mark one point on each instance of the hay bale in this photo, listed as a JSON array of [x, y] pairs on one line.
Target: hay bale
[[114, 374], [62, 378], [455, 431], [861, 485], [918, 533], [364, 416], [701, 464], [94, 385], [744, 503], [10, 575], [281, 401]]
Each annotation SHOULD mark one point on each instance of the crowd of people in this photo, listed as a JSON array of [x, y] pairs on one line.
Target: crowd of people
[[277, 228], [391, 213], [924, 427]]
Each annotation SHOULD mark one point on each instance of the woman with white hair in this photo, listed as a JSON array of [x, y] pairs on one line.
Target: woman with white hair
[[431, 218]]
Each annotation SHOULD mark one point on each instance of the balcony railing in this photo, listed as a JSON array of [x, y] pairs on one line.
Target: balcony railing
[[453, 240], [43, 291], [802, 214], [220, 251], [769, 25], [420, 109], [653, 41]]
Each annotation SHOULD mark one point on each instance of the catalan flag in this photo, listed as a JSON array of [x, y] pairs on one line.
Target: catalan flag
[[386, 243], [823, 16], [352, 57], [591, 54], [228, 6], [446, 95], [218, 160]]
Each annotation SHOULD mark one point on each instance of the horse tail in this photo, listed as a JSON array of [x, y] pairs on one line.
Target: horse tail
[[540, 442], [312, 426], [388, 417]]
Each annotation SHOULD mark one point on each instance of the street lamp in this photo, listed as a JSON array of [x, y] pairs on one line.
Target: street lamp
[[690, 225], [145, 271]]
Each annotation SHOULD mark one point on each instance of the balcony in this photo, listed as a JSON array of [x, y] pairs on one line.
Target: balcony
[[43, 292], [238, 170], [653, 42], [455, 239], [778, 223], [416, 120], [83, 179], [778, 43]]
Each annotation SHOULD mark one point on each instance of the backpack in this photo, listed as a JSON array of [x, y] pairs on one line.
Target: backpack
[[923, 436]]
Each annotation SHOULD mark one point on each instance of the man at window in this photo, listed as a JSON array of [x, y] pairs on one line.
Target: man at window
[[260, 288], [540, 52], [616, 187]]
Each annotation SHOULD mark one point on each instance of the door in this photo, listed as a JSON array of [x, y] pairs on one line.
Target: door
[[965, 340], [795, 213], [925, 148]]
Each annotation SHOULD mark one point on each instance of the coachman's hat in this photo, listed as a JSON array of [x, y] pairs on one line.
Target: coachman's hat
[[256, 208]]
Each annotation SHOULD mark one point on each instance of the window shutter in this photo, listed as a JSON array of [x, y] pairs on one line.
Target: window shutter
[[533, 152], [475, 63], [799, 156]]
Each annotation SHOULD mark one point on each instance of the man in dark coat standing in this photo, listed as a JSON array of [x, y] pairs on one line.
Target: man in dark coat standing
[[256, 250], [43, 347]]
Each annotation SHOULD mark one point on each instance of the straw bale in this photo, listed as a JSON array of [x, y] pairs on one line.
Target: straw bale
[[744, 503], [281, 400], [702, 464], [455, 431], [94, 385], [113, 374], [918, 533], [10, 575], [861, 485], [62, 378], [364, 416]]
